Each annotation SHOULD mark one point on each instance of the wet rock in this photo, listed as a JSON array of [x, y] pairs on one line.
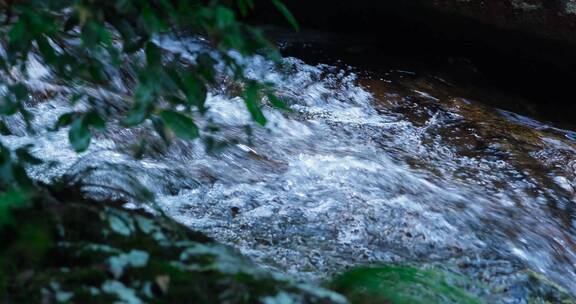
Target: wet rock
[[554, 19]]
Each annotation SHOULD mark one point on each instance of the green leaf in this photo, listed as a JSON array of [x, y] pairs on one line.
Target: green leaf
[[6, 168], [17, 32], [4, 130], [224, 17], [153, 54], [79, 135], [63, 121], [71, 22], [195, 90], [94, 120], [286, 13], [75, 98], [3, 63], [141, 109], [123, 5], [90, 34], [160, 129], [25, 156], [243, 7], [277, 102], [183, 126], [94, 33], [206, 66], [19, 37], [20, 91], [22, 179], [46, 50], [136, 115], [175, 100], [8, 106], [251, 100], [131, 46], [13, 198], [151, 22], [139, 149], [28, 117]]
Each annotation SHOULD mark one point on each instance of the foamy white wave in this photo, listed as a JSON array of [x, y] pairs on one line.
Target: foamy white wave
[[336, 182]]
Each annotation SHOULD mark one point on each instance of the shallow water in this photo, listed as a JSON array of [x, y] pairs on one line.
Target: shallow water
[[366, 168]]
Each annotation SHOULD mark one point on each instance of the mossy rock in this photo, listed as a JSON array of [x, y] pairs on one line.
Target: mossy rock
[[88, 252], [402, 284], [98, 252]]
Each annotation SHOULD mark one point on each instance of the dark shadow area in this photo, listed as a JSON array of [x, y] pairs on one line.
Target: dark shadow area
[[537, 72]]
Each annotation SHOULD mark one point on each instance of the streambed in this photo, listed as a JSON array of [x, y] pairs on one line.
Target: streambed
[[387, 167]]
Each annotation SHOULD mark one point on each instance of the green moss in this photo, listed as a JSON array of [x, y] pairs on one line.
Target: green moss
[[399, 284], [71, 250], [80, 276], [549, 292], [89, 259]]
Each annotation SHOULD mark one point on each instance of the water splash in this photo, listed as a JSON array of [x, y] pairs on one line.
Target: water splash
[[394, 173]]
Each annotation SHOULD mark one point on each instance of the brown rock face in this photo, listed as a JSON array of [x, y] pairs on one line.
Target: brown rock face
[[527, 47], [554, 19]]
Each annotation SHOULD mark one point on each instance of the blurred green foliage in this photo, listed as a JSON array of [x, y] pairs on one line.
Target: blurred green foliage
[[401, 284], [98, 252], [85, 43]]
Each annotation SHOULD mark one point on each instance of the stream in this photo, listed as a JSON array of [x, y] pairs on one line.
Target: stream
[[388, 166]]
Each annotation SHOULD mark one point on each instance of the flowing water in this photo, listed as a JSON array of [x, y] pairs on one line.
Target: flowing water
[[366, 168]]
